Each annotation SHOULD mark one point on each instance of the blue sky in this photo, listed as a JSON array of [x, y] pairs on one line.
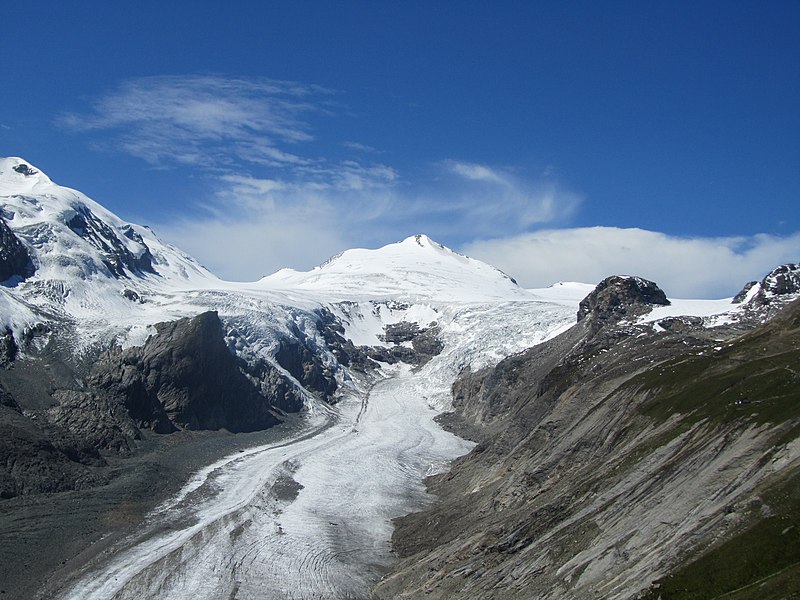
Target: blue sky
[[556, 140]]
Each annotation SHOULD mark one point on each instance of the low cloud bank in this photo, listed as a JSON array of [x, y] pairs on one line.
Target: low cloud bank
[[714, 267]]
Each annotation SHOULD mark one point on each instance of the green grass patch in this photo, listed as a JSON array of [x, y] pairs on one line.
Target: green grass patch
[[723, 387], [761, 562]]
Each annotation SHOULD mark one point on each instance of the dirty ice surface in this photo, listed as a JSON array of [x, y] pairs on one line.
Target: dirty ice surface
[[304, 518], [310, 517]]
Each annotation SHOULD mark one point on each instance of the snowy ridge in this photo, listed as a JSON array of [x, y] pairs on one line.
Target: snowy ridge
[[111, 281], [72, 235], [416, 268], [90, 266]]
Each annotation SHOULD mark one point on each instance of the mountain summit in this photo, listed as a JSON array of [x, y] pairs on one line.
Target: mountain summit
[[414, 268], [71, 237]]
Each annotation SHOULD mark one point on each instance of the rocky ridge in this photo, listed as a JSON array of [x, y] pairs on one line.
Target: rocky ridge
[[611, 457], [617, 297]]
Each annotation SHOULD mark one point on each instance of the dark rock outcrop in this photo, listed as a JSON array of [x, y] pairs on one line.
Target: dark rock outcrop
[[116, 255], [101, 422], [779, 285], [14, 258], [37, 457], [425, 343], [24, 169], [617, 297], [681, 324], [740, 297], [184, 377], [283, 394], [8, 348], [410, 343], [346, 353], [129, 294], [305, 366]]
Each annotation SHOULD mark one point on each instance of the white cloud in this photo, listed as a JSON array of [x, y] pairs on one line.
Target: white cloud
[[250, 227], [683, 267], [244, 250], [206, 120], [485, 199], [477, 172], [359, 147]]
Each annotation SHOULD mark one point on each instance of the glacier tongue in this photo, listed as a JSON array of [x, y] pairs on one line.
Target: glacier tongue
[[310, 517]]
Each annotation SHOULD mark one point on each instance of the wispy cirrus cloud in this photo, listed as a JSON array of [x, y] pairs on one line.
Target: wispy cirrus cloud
[[685, 267], [252, 226], [270, 180], [205, 120], [325, 210], [496, 199], [359, 147]]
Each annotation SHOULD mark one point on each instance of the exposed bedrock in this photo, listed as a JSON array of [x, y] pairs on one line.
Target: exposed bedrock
[[14, 258], [619, 296], [184, 377], [37, 457]]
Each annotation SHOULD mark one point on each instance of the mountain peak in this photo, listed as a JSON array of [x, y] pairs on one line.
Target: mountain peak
[[71, 238], [421, 240], [416, 267], [19, 176], [778, 286]]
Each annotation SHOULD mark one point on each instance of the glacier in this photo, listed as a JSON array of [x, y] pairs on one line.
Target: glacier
[[309, 515]]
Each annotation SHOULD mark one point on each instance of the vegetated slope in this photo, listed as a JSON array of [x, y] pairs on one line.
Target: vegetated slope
[[759, 372], [612, 457]]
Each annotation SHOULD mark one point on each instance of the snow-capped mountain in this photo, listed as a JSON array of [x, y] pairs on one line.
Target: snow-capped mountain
[[70, 236], [111, 339], [78, 261], [81, 281], [416, 268]]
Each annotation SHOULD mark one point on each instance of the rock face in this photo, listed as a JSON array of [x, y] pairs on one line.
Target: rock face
[[116, 255], [425, 341], [346, 353], [100, 421], [8, 348], [184, 377], [305, 366], [36, 459], [410, 343], [617, 297], [62, 416], [776, 287], [608, 459], [14, 258]]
